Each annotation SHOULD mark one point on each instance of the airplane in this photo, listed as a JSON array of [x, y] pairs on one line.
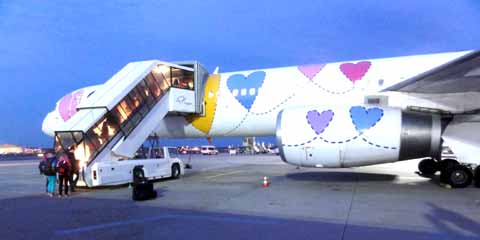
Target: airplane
[[329, 115]]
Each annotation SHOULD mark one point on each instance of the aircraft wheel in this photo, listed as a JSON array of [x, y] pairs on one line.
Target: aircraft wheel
[[175, 171], [459, 176], [444, 167], [477, 176], [428, 166]]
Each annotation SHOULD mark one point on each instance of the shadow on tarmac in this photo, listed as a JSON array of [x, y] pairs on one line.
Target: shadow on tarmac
[[41, 217], [451, 222], [340, 177]]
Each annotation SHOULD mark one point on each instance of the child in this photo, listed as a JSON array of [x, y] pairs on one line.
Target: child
[[50, 172]]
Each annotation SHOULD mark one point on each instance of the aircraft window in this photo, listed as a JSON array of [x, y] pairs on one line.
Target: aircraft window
[[119, 114], [235, 92], [135, 119], [182, 78], [78, 136], [162, 75], [164, 85], [188, 80], [101, 132], [144, 110], [124, 110], [93, 139], [251, 91], [66, 139], [136, 98], [90, 147], [143, 89], [243, 92], [153, 85]]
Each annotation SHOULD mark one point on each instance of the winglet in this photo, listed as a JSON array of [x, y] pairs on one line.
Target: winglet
[[216, 70]]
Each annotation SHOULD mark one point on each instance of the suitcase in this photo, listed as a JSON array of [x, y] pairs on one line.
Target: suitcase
[[142, 188]]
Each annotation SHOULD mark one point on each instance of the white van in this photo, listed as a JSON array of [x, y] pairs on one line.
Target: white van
[[209, 150]]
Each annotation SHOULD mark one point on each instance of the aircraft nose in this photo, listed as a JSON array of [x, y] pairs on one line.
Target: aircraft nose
[[48, 123]]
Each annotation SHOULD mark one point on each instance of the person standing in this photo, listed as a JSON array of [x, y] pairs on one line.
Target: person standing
[[48, 168], [63, 169], [74, 173]]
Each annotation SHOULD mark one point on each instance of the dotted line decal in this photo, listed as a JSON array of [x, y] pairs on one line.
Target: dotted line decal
[[339, 142], [324, 140], [239, 124], [275, 107], [333, 92], [261, 113], [378, 145]]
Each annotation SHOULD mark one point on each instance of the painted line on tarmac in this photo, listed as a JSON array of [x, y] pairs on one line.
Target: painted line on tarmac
[[17, 164], [223, 174], [164, 217]]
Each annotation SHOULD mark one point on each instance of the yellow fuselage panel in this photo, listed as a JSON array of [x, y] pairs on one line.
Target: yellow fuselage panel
[[204, 123]]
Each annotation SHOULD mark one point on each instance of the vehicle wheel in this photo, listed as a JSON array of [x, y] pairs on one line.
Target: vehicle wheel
[[459, 176], [428, 166], [477, 176], [175, 171], [444, 167]]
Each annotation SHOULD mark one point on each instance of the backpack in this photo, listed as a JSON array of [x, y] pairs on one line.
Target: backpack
[[63, 167], [47, 167], [43, 167]]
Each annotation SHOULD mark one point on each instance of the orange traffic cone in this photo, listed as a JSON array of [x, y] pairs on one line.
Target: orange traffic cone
[[265, 182]]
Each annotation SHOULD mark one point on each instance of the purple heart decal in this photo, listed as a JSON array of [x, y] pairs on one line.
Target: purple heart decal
[[67, 106], [355, 71], [319, 121], [311, 70]]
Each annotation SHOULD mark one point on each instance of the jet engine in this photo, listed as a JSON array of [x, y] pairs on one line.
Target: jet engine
[[348, 136]]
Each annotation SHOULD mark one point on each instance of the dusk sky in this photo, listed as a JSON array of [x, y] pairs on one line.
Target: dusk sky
[[50, 48]]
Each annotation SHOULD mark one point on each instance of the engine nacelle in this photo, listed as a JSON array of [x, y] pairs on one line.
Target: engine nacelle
[[347, 136]]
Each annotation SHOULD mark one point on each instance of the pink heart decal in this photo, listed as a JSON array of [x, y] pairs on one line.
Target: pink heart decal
[[355, 71], [67, 107], [311, 70], [319, 121]]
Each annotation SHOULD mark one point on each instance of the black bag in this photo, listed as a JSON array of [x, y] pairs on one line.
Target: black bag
[[142, 188], [47, 167], [43, 167]]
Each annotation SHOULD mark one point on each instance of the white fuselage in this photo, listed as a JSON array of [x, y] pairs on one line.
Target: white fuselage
[[342, 83]]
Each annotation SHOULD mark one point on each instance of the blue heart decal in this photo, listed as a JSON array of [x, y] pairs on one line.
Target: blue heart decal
[[245, 89], [364, 119]]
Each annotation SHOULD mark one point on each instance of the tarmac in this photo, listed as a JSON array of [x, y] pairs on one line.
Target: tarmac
[[222, 198]]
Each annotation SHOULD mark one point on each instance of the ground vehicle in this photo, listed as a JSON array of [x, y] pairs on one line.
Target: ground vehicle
[[209, 150], [160, 163]]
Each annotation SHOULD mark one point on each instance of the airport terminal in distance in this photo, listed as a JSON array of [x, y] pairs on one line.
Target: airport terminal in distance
[[371, 149]]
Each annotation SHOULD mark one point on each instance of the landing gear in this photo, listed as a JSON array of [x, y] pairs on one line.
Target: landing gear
[[444, 167], [428, 166], [477, 176], [459, 176]]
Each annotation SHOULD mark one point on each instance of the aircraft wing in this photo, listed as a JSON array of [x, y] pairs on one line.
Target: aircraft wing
[[457, 76]]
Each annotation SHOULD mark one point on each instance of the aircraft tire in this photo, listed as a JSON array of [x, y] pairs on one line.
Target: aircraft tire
[[459, 176], [444, 166], [428, 166], [477, 176]]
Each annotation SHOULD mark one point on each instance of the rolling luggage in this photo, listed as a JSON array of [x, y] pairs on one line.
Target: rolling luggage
[[142, 188]]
